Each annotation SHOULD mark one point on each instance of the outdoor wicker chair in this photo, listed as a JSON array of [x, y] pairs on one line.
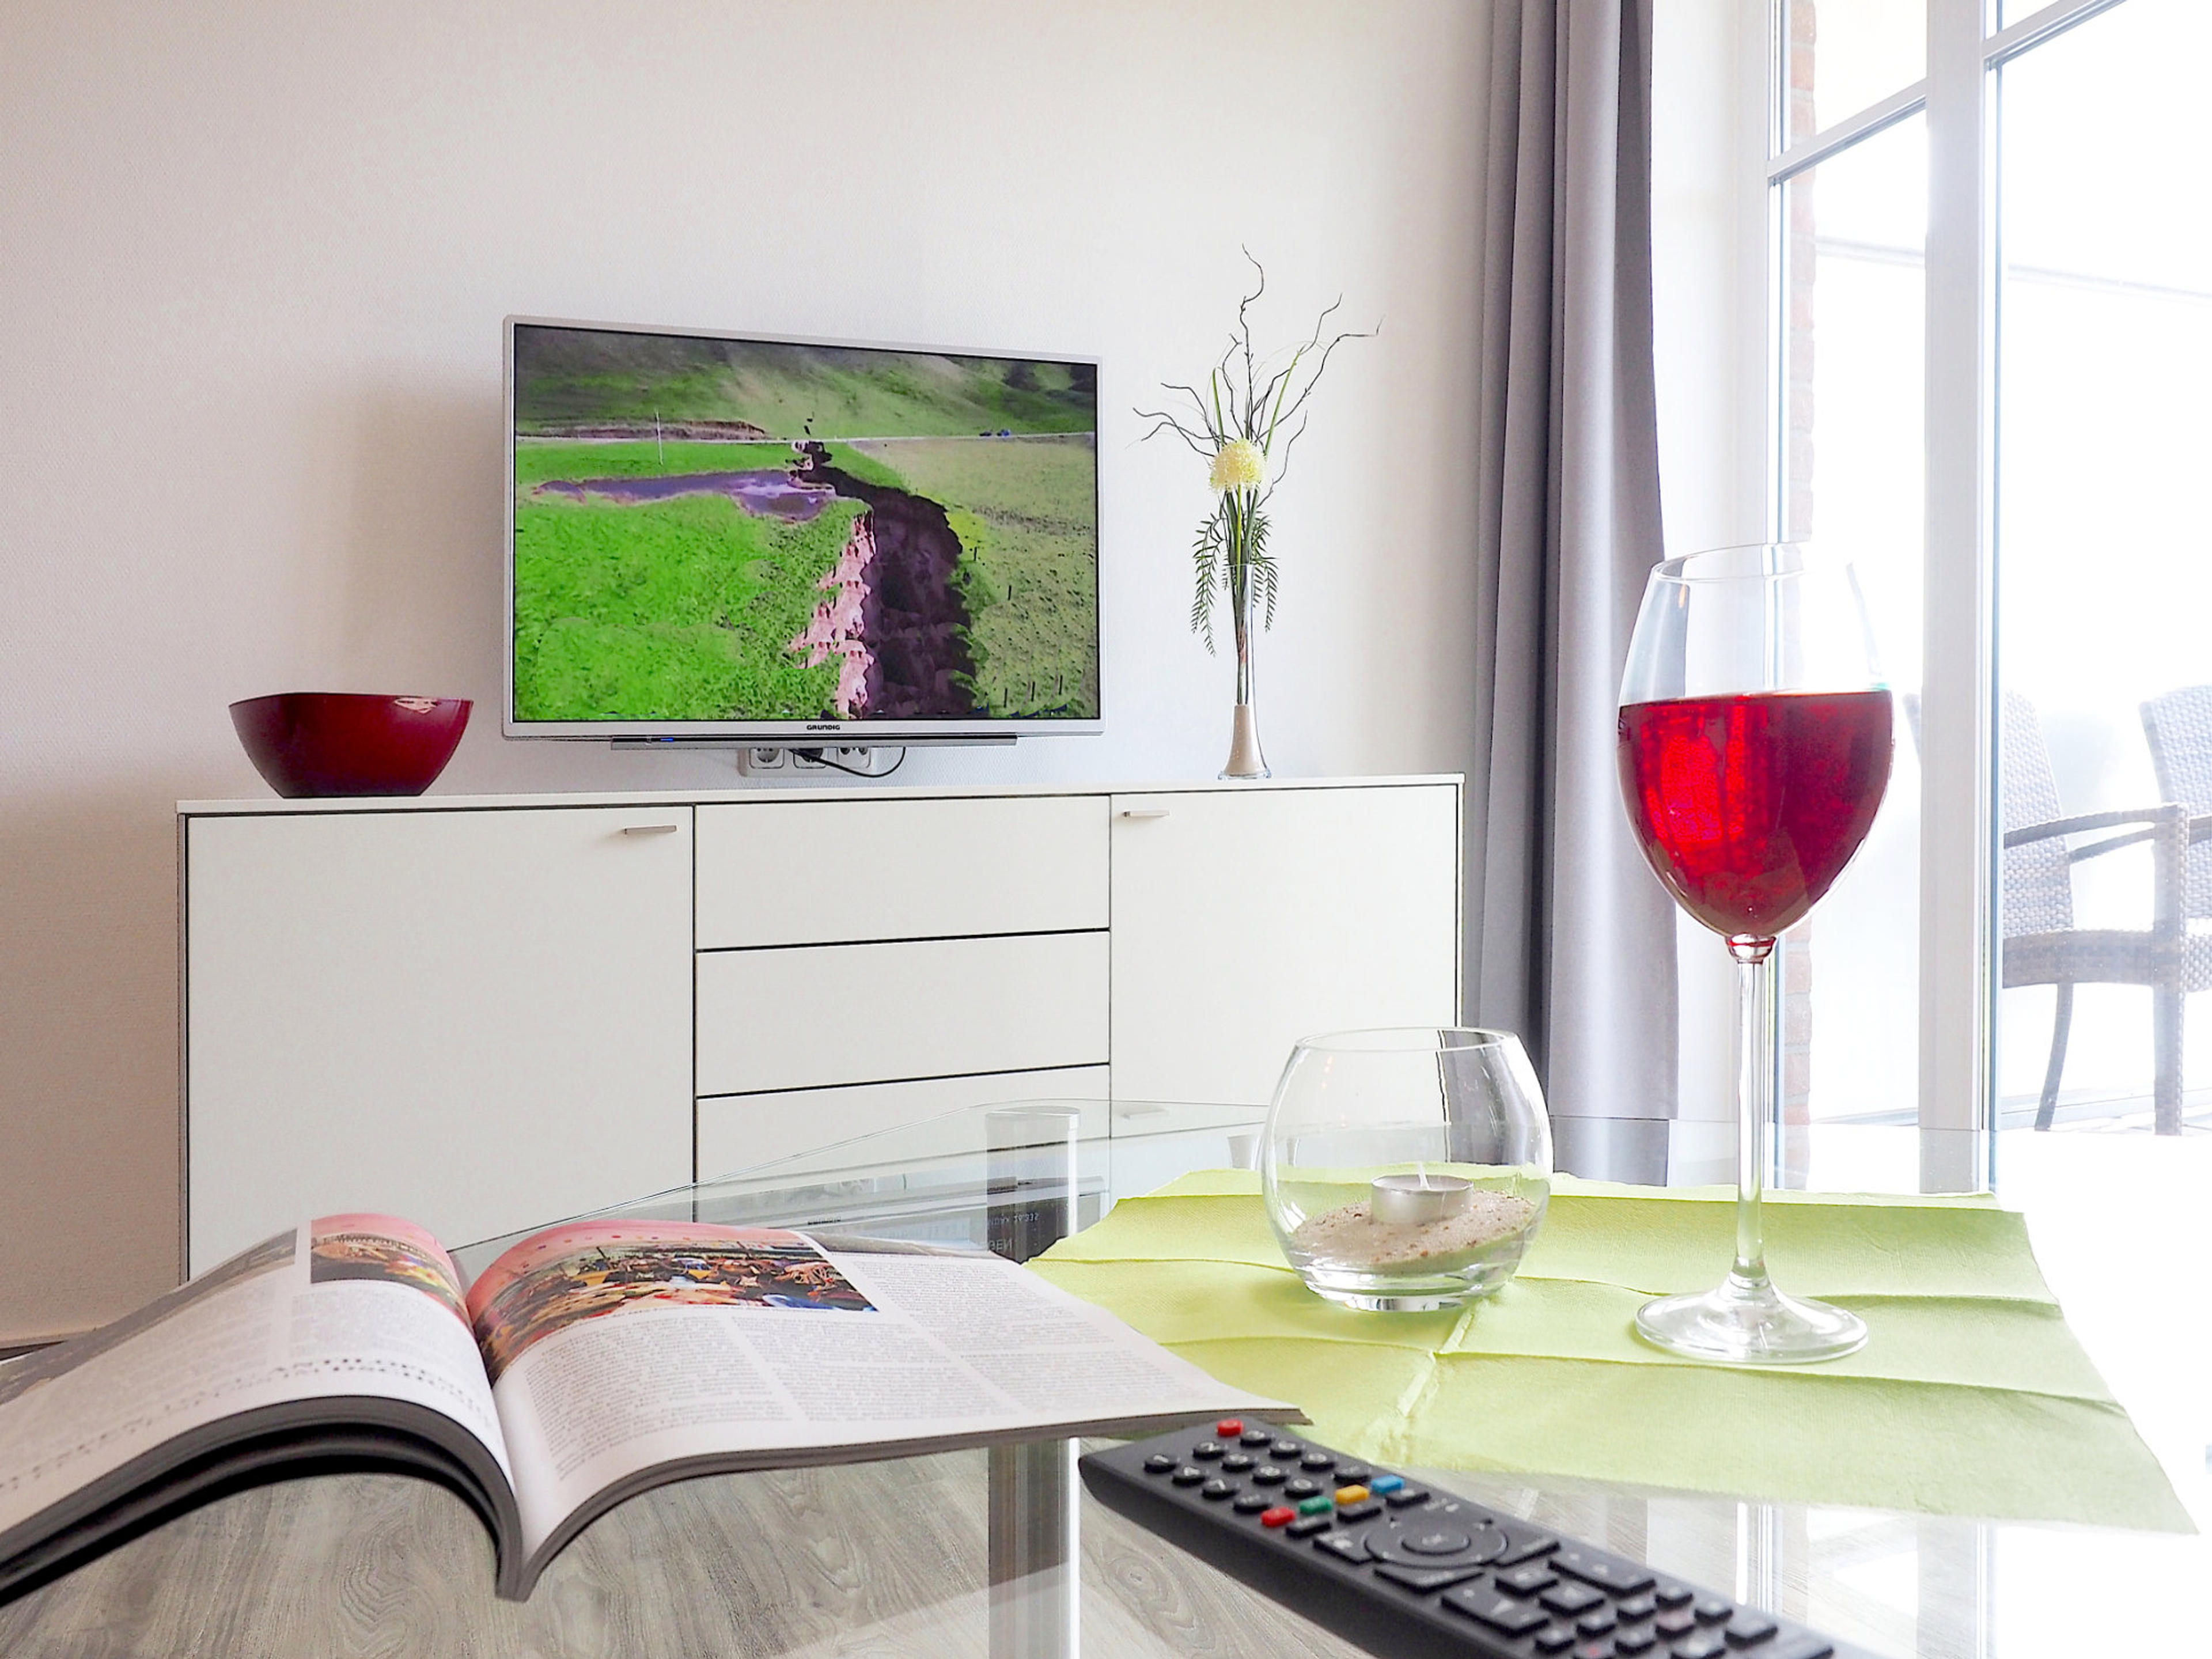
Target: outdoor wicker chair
[[2179, 728], [2042, 946]]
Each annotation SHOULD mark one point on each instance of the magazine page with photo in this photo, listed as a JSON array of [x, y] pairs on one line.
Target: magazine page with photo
[[341, 1343], [592, 1361], [623, 1354]]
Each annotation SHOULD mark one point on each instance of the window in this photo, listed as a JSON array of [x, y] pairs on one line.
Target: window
[[1930, 288], [2104, 558]]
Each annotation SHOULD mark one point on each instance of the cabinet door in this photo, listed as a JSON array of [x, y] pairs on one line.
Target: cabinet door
[[477, 1020], [1245, 920]]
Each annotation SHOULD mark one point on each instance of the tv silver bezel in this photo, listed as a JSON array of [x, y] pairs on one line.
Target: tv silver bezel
[[888, 734]]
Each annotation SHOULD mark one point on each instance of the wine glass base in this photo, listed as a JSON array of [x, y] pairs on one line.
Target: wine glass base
[[1750, 1323]]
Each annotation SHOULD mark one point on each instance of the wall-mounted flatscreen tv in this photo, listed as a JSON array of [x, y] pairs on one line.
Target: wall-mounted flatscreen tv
[[713, 536]]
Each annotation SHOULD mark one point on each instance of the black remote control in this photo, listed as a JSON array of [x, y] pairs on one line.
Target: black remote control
[[1399, 1569]]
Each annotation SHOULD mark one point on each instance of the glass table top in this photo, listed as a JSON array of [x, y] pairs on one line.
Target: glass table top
[[1002, 1551], [2113, 1217]]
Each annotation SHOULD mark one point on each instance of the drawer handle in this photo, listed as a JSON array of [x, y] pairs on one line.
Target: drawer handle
[[649, 830], [1144, 811]]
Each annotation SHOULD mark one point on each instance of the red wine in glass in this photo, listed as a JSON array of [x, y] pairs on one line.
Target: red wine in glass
[[1749, 806], [1754, 748]]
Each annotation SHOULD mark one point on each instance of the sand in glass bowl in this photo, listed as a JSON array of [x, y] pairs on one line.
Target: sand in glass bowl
[[1407, 1169]]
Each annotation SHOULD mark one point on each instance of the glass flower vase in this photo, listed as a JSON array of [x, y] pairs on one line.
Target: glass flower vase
[[1245, 758]]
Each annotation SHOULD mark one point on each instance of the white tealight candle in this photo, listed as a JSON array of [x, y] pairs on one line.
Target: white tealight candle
[[1410, 1199]]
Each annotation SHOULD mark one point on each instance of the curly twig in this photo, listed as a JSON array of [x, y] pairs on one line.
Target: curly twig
[[1230, 553]]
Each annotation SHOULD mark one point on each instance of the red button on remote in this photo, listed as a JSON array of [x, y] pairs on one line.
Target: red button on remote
[[1280, 1516], [1229, 1428]]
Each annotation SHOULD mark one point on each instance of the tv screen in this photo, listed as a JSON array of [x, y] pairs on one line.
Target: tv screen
[[711, 535]]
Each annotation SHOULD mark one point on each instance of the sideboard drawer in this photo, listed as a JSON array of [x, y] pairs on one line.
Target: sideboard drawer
[[737, 1132], [805, 872], [812, 1016]]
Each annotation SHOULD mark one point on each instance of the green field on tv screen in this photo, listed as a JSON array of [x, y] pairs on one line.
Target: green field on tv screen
[[712, 530]]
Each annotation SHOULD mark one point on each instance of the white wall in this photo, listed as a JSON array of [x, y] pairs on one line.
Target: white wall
[[256, 257]]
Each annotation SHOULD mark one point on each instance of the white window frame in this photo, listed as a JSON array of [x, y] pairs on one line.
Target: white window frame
[[1958, 845]]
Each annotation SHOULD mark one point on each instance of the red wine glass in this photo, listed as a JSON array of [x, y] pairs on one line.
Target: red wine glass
[[1754, 746]]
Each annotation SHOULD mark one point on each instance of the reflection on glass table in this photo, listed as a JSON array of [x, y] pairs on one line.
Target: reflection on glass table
[[967, 1552], [2111, 1217]]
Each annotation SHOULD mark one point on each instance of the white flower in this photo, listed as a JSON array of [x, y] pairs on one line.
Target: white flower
[[1238, 464]]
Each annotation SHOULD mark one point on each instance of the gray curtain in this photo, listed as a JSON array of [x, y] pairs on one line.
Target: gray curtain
[[1576, 937]]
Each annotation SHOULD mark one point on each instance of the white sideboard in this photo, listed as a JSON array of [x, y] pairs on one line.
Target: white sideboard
[[485, 1012]]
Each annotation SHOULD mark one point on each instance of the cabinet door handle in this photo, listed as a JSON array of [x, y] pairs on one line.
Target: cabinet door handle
[[1144, 811], [649, 830]]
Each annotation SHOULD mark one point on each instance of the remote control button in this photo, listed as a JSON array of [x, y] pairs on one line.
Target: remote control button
[[1344, 1546], [1189, 1475], [1301, 1488], [1479, 1602], [1251, 1502], [1621, 1577], [1215, 1490], [1638, 1606], [1554, 1639], [1808, 1646], [1705, 1644], [1206, 1448], [1364, 1511], [1528, 1549], [1384, 1484], [1438, 1540], [1287, 1450], [1405, 1496], [1315, 1461], [1711, 1609], [1316, 1505], [1229, 1428], [1236, 1462], [1269, 1475], [1600, 1649], [1424, 1579], [1353, 1474], [1748, 1627], [1350, 1494], [1158, 1463], [1638, 1640], [1597, 1621], [1254, 1438], [1307, 1525], [1429, 1543], [1570, 1599], [1674, 1596], [1675, 1621], [1528, 1579], [1279, 1515]]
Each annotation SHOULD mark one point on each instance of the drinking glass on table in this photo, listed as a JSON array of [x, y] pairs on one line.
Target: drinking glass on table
[[1754, 747]]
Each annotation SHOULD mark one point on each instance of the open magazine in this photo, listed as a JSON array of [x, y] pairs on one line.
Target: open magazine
[[590, 1362]]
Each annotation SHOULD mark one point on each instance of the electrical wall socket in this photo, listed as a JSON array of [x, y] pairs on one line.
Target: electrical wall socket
[[861, 759]]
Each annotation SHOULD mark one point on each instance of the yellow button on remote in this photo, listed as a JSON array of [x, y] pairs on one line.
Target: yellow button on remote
[[1350, 1494]]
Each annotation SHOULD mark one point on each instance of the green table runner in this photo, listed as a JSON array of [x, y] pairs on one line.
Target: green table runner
[[1972, 1396]]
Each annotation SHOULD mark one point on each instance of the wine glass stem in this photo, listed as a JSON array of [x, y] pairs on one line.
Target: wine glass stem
[[1754, 1100]]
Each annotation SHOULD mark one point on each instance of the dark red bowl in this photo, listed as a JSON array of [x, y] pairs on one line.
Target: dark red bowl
[[345, 743]]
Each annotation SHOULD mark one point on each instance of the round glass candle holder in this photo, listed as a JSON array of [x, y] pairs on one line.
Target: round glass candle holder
[[1407, 1169]]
